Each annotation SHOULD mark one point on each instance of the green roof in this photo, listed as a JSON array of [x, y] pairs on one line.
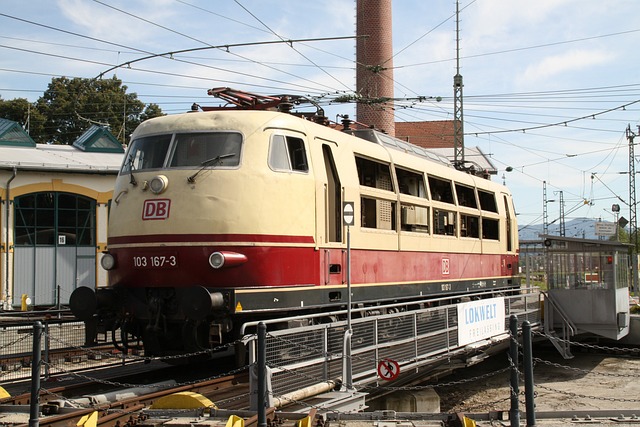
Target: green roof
[[97, 139], [11, 133]]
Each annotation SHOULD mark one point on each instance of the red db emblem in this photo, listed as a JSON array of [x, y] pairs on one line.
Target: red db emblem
[[445, 266], [156, 209]]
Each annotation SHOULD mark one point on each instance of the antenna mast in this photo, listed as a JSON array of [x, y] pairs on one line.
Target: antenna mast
[[458, 126], [545, 213]]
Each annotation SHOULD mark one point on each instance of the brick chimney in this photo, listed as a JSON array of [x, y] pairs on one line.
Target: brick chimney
[[374, 68]]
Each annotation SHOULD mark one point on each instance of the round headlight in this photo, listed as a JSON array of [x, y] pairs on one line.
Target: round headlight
[[108, 261], [216, 260], [158, 184]]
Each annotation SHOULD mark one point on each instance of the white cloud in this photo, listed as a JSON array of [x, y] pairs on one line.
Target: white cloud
[[565, 65]]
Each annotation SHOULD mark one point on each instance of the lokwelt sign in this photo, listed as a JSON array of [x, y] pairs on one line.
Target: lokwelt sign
[[478, 320]]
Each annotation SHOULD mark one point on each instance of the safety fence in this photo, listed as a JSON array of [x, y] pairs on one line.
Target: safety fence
[[402, 341], [62, 349]]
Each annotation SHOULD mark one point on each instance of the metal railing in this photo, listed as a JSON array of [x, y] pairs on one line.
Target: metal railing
[[62, 349], [306, 356]]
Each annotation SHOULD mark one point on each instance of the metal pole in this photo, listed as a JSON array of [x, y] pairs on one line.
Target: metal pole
[[47, 346], [34, 407], [528, 374], [514, 412], [348, 277], [262, 374], [347, 367]]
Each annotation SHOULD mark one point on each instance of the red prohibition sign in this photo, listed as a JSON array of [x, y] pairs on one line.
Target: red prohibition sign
[[388, 369]]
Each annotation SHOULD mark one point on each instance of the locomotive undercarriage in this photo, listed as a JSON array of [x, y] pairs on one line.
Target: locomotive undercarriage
[[166, 327]]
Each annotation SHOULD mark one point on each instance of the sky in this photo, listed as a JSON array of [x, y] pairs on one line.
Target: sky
[[550, 86]]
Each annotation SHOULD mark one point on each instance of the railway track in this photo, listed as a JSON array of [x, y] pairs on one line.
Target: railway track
[[58, 410]]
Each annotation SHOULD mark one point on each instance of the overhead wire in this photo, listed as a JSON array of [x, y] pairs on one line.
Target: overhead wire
[[204, 43], [291, 45]]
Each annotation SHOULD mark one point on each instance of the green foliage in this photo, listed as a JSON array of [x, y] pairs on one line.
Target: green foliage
[[625, 237], [70, 106], [22, 111]]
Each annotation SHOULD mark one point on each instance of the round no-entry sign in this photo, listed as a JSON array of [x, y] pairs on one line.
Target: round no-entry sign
[[388, 369], [348, 213]]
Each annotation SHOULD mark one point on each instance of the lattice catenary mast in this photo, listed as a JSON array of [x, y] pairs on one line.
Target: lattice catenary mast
[[458, 126]]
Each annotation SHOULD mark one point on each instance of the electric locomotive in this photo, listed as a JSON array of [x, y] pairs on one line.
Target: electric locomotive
[[222, 216]]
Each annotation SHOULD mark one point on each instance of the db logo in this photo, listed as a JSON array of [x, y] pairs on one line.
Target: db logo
[[445, 266], [156, 209]]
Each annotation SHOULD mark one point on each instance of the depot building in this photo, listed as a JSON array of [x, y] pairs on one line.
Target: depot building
[[54, 202]]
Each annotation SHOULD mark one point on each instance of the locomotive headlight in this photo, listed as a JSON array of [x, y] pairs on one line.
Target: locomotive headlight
[[226, 259], [216, 260], [158, 184], [108, 261]]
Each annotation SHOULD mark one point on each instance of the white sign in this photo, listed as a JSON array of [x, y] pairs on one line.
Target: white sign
[[605, 228], [478, 320], [348, 213]]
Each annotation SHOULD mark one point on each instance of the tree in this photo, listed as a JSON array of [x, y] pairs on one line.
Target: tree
[[71, 106], [152, 110], [22, 111]]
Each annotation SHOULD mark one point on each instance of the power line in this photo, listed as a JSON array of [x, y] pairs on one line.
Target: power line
[[561, 123]]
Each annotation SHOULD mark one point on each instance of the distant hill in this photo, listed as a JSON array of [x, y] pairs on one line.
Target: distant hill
[[578, 227]]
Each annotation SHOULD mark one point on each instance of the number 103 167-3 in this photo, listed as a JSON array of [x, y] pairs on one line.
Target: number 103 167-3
[[155, 261]]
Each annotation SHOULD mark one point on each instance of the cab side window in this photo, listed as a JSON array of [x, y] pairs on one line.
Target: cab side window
[[287, 153]]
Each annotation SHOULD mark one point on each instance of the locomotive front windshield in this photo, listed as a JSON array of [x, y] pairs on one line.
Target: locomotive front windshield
[[183, 150]]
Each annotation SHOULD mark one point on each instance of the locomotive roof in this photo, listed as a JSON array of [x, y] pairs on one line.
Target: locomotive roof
[[230, 119]]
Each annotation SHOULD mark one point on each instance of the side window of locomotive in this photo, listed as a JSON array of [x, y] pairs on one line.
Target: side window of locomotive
[[216, 149], [444, 222], [490, 226], [487, 201], [440, 190], [146, 153], [490, 229], [374, 174], [287, 153], [466, 196], [412, 217], [469, 226], [411, 183], [375, 211]]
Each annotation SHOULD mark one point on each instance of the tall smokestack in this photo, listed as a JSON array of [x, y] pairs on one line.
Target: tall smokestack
[[374, 68]]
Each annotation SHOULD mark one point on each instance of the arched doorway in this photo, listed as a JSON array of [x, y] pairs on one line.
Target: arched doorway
[[55, 246]]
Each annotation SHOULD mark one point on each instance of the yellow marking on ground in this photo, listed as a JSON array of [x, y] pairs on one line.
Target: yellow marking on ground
[[235, 421], [305, 422], [90, 420], [4, 393], [183, 400], [468, 422]]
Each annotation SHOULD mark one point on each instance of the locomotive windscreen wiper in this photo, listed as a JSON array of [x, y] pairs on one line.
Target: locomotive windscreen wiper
[[132, 181], [210, 162]]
